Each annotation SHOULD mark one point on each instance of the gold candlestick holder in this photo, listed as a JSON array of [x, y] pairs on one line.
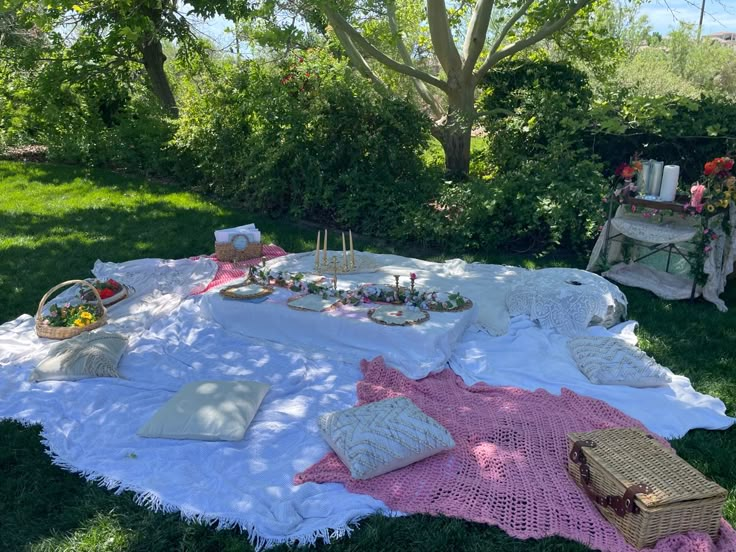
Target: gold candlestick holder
[[323, 265]]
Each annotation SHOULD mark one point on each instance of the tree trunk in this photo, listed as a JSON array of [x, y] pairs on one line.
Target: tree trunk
[[454, 134], [153, 60]]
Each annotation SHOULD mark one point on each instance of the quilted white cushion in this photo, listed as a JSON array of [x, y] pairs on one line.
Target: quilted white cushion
[[383, 436], [611, 361], [208, 411], [87, 355]]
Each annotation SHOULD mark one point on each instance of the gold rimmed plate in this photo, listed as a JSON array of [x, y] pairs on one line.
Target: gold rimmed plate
[[390, 315], [313, 302], [246, 292]]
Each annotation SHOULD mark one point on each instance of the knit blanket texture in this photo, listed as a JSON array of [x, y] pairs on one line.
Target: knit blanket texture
[[509, 465]]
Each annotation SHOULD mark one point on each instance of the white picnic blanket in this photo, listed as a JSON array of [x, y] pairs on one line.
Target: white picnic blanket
[[90, 426]]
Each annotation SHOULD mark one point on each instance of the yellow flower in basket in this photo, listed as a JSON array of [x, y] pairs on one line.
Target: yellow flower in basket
[[79, 323], [86, 315]]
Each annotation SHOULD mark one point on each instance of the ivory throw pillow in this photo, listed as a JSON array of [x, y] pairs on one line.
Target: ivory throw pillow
[[208, 411], [87, 355], [383, 436], [611, 361]]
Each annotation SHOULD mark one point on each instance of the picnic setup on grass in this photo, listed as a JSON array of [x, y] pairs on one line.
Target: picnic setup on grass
[[292, 395]]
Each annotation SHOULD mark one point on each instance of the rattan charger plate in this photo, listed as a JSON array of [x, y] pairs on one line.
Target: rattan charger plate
[[390, 315], [246, 292]]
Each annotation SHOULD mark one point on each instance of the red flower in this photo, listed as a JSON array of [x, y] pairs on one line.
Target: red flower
[[106, 293], [709, 167], [726, 163], [620, 169], [412, 276], [628, 172]]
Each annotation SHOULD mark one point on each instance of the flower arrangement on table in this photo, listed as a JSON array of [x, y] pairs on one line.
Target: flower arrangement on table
[[293, 282], [627, 171], [712, 195], [715, 189], [68, 315]]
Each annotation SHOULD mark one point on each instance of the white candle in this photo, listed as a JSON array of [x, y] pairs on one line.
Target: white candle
[[670, 176], [344, 252], [352, 251], [642, 180], [316, 251], [324, 257], [656, 178]]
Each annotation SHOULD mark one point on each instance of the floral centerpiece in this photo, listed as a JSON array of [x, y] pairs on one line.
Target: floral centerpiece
[[711, 195], [715, 189], [68, 315], [627, 171]]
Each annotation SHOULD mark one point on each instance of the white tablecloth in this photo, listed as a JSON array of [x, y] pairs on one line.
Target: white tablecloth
[[346, 333]]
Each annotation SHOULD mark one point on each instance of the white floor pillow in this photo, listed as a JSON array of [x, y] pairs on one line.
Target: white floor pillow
[[87, 355], [208, 411], [611, 361], [383, 436]]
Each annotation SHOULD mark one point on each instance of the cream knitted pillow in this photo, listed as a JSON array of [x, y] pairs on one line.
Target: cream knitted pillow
[[87, 355], [383, 436], [611, 361]]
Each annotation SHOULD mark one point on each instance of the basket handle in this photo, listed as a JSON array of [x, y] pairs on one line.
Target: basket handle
[[67, 283]]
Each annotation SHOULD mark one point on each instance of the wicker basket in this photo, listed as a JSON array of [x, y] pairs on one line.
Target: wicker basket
[[65, 332], [644, 489], [239, 248]]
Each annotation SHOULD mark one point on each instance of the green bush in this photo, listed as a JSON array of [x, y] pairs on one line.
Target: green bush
[[675, 129], [310, 139], [110, 120], [544, 182]]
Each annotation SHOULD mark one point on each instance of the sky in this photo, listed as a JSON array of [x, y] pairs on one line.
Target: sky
[[720, 15], [664, 15]]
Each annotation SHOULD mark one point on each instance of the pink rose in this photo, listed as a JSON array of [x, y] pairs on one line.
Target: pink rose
[[696, 196], [412, 276]]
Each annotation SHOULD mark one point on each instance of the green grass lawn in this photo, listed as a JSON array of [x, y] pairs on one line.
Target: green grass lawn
[[56, 221]]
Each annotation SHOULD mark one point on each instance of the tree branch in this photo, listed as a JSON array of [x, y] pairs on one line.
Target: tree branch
[[502, 35], [543, 32], [420, 87], [338, 21], [358, 60], [475, 38], [439, 30]]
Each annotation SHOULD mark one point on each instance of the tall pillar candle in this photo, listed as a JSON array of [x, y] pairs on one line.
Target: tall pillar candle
[[670, 176], [642, 180], [324, 257], [656, 177], [344, 253], [352, 251], [316, 251]]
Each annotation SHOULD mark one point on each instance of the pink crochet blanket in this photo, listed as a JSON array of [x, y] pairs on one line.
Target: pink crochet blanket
[[509, 464], [227, 271]]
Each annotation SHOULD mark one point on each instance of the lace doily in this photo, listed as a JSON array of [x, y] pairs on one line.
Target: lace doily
[[646, 231], [567, 300]]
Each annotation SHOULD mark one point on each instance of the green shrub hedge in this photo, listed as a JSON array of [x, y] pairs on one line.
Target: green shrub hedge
[[309, 139]]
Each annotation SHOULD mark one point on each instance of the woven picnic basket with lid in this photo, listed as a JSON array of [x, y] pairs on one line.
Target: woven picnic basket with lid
[[238, 248], [65, 332], [644, 489]]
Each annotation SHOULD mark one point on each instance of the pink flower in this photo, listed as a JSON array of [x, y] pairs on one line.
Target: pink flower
[[412, 276], [696, 196], [707, 248], [633, 208], [647, 215]]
